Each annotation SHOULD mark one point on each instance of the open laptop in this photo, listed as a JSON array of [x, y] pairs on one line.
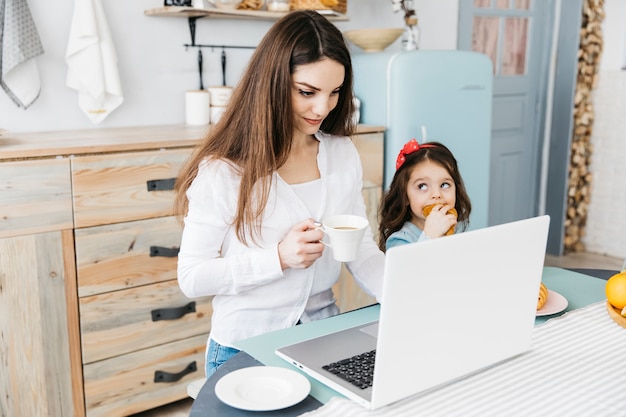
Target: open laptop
[[451, 307]]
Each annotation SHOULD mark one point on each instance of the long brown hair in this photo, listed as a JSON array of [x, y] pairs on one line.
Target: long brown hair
[[255, 132], [394, 206]]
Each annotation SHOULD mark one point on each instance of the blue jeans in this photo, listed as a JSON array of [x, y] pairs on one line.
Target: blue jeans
[[216, 355]]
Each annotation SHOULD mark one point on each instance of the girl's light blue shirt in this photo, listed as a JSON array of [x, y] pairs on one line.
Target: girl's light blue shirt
[[409, 233]]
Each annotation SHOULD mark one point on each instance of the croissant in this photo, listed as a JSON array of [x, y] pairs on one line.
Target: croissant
[[250, 5], [429, 208], [543, 296]]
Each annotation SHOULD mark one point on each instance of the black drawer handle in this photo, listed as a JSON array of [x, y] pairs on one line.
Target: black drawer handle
[[174, 312], [162, 376], [163, 251], [161, 185]]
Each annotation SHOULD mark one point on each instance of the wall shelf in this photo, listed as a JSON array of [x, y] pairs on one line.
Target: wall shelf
[[193, 14], [182, 11]]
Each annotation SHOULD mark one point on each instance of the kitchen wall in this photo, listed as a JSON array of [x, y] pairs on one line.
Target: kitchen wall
[[155, 68], [606, 221]]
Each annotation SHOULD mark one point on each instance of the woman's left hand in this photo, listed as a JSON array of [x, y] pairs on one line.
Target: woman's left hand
[[301, 247]]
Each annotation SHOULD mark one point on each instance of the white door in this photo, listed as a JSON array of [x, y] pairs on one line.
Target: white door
[[516, 35]]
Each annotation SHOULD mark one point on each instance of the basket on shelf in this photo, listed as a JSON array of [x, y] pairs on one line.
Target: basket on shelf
[[339, 6]]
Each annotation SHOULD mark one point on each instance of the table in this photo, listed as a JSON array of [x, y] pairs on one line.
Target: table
[[579, 289]]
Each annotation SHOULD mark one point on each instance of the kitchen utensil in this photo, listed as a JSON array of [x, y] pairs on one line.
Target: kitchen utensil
[[200, 68], [223, 67]]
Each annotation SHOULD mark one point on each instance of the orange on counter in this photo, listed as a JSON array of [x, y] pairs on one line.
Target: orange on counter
[[616, 290]]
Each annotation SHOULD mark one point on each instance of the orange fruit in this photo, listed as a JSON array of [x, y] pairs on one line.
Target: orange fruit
[[616, 290]]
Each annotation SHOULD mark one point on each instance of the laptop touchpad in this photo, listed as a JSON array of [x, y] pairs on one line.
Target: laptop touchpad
[[372, 329]]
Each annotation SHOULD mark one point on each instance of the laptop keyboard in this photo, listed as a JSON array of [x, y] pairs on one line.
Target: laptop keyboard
[[357, 370]]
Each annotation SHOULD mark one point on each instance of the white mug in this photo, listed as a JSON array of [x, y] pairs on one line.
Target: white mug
[[345, 232]]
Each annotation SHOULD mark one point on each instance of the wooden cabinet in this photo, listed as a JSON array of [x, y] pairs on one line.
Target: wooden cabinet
[[91, 317], [131, 309], [37, 285], [92, 321], [35, 196], [370, 146]]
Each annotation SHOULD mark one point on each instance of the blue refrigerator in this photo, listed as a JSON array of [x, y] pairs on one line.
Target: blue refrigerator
[[447, 93]]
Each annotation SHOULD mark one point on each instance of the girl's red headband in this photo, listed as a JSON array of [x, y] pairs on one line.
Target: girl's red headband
[[410, 147]]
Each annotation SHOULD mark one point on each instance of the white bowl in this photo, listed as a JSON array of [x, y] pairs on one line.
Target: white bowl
[[226, 4]]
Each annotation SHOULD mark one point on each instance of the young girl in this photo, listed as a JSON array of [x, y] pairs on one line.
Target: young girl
[[279, 159], [427, 177]]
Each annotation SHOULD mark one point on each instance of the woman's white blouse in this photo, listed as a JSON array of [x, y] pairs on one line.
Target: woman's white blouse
[[252, 294]]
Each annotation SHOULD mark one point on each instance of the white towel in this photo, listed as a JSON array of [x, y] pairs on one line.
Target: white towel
[[92, 61], [19, 45]]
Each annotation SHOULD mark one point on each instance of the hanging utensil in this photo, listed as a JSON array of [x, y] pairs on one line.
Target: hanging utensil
[[200, 68], [223, 67]]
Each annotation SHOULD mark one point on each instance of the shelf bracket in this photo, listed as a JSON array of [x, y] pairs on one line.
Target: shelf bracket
[[192, 28]]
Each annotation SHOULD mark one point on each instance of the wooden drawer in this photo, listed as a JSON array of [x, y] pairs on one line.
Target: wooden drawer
[[126, 255], [35, 196], [122, 187], [120, 322], [126, 384]]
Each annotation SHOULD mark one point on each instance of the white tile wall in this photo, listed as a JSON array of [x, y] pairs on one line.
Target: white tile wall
[[606, 221]]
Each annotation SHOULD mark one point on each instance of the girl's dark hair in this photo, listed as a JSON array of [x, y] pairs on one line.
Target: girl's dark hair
[[394, 206], [255, 131]]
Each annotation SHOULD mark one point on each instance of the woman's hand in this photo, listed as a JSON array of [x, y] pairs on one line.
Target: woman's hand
[[301, 247], [438, 222]]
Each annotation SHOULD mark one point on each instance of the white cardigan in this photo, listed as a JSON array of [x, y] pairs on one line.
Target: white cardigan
[[252, 294]]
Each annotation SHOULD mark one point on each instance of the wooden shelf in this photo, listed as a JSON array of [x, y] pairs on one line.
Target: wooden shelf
[[181, 11]]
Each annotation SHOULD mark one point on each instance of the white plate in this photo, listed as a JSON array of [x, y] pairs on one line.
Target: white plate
[[262, 388], [554, 304]]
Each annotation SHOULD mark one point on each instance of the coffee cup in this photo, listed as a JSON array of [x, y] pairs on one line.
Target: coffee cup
[[345, 233]]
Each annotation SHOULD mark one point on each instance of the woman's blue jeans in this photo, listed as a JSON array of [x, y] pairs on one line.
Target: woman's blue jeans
[[216, 355]]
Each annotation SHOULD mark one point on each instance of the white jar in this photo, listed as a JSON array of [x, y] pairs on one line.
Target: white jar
[[278, 5], [220, 95]]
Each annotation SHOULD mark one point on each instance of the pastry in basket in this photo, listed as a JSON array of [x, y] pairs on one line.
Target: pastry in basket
[[543, 296], [250, 5], [429, 208]]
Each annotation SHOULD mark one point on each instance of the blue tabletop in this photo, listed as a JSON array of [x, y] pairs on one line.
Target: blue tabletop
[[579, 290]]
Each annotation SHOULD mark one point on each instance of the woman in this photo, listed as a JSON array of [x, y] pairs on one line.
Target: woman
[[279, 159]]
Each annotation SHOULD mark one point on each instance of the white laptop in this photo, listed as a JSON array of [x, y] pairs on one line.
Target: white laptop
[[451, 307]]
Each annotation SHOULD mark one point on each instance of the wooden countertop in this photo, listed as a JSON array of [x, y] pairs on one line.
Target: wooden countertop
[[87, 141]]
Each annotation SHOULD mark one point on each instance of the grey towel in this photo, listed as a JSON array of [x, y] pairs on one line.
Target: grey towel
[[19, 45]]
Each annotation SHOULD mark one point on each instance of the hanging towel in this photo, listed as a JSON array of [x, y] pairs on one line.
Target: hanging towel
[[19, 45], [92, 61]]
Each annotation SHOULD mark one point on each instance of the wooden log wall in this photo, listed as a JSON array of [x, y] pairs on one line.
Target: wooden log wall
[[580, 178]]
